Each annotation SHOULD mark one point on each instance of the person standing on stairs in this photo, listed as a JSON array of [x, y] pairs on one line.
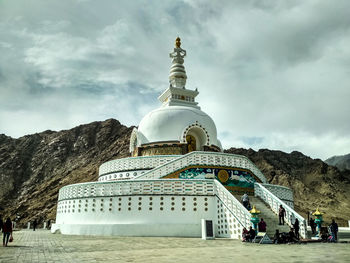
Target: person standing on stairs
[[245, 200], [281, 214], [313, 225], [296, 228], [262, 226]]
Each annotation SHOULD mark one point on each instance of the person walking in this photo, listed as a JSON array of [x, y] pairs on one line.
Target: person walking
[[296, 228], [7, 230], [245, 200], [281, 214], [334, 230]]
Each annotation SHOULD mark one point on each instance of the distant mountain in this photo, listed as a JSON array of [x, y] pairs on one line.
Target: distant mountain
[[34, 167], [341, 161]]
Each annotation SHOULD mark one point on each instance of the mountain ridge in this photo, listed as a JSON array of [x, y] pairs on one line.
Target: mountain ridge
[[34, 167]]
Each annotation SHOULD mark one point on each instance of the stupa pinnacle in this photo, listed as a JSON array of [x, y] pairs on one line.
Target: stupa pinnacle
[[177, 77]]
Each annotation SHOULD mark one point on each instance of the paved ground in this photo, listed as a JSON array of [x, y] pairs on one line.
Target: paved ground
[[42, 246]]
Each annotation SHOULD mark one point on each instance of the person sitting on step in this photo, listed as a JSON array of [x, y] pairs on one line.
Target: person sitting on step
[[245, 234], [277, 239]]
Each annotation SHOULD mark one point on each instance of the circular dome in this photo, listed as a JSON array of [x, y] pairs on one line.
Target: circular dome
[[174, 123]]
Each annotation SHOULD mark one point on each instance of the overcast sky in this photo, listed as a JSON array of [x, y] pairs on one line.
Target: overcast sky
[[272, 74]]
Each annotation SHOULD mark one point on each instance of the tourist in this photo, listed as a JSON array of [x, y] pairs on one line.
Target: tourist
[[313, 225], [245, 200], [245, 234], [324, 233], [277, 238], [262, 226], [249, 206], [7, 230], [296, 228], [281, 214], [334, 230], [251, 234], [291, 236], [34, 224]]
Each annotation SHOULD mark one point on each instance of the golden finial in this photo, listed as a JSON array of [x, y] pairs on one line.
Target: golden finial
[[254, 210], [317, 212], [178, 42]]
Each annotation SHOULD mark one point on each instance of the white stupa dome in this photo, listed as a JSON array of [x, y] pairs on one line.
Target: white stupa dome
[[172, 123]]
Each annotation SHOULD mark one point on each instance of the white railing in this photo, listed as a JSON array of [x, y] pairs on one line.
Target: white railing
[[135, 163], [282, 192], [140, 187], [233, 205], [203, 158], [274, 202]]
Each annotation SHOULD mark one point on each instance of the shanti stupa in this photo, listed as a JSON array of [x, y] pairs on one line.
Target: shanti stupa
[[176, 179]]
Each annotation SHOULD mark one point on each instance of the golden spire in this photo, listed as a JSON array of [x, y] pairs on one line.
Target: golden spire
[[254, 210], [178, 42], [317, 212]]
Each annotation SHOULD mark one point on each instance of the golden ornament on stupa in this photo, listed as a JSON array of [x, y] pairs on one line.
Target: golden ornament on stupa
[[178, 42]]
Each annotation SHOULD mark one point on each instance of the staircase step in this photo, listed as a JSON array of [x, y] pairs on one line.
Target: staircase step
[[268, 215]]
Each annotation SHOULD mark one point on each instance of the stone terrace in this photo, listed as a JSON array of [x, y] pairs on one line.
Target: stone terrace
[[42, 246]]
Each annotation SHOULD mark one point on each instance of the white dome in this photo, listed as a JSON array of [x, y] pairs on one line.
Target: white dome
[[173, 123]]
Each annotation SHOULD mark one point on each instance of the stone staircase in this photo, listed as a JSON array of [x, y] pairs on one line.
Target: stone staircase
[[268, 215]]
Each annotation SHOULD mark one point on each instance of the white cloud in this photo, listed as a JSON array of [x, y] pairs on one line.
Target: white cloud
[[271, 74]]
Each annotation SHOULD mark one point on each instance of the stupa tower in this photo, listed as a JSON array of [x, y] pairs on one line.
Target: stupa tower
[[178, 126], [177, 94], [177, 77]]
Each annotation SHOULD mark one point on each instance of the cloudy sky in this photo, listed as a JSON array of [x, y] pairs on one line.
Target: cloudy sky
[[272, 74]]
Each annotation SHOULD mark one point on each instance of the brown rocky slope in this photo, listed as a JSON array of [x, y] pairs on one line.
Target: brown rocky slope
[[34, 167]]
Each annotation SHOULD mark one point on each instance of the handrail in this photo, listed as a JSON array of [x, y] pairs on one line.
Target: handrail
[[233, 205], [212, 158], [134, 163], [139, 187], [274, 202]]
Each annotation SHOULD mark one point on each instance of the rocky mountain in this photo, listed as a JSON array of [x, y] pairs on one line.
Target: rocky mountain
[[341, 161], [315, 183], [34, 167]]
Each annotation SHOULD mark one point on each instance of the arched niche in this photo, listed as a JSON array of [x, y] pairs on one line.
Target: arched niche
[[196, 135]]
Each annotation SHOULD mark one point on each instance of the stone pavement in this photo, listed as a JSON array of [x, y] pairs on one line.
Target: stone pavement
[[42, 246]]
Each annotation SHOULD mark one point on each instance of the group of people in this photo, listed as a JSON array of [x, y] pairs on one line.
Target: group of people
[[284, 237], [249, 235], [333, 227], [6, 228]]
